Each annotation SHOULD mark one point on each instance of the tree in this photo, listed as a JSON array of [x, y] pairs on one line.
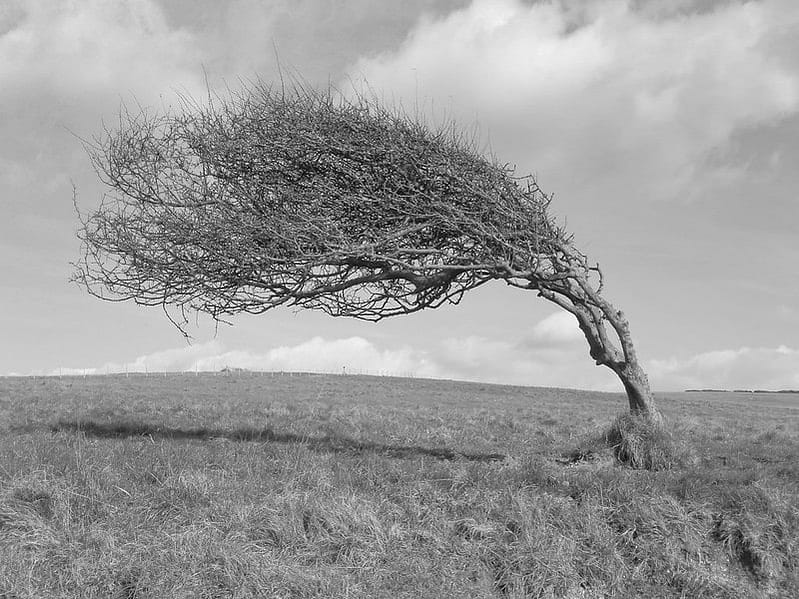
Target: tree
[[271, 197]]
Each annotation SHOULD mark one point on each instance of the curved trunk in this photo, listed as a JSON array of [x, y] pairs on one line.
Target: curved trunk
[[625, 365], [609, 346], [639, 395]]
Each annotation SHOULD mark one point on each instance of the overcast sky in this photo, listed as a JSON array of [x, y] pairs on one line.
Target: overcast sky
[[667, 129]]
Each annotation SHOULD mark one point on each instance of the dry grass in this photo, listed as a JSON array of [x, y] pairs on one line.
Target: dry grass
[[322, 486]]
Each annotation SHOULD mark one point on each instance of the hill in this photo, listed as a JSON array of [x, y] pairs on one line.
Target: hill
[[258, 485]]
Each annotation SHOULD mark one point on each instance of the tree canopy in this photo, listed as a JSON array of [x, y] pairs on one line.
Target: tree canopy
[[271, 197]]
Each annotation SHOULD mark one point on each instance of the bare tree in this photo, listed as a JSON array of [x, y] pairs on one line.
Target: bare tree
[[271, 197]]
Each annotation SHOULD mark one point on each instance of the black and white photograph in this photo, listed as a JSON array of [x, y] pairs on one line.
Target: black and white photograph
[[399, 299]]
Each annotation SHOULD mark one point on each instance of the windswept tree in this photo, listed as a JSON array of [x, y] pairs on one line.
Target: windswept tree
[[271, 197]]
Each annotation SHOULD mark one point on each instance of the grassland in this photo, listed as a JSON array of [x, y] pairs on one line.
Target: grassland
[[339, 486]]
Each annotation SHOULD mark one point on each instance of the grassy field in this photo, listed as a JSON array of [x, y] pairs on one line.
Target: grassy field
[[247, 485]]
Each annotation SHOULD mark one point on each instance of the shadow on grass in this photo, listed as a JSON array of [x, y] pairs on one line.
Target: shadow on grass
[[328, 443]]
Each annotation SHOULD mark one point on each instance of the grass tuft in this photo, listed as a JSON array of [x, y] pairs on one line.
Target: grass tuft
[[641, 445]]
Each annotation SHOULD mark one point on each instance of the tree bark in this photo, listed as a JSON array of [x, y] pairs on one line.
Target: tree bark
[[609, 346], [639, 395]]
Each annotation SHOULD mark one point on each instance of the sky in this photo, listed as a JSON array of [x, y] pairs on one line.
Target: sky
[[668, 131]]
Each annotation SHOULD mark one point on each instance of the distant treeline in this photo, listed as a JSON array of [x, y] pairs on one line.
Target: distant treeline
[[740, 391]]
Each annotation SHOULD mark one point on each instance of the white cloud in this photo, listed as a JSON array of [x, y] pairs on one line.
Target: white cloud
[[743, 368], [601, 92], [65, 67], [550, 356], [79, 49], [353, 355], [525, 362], [554, 354], [559, 327], [177, 359]]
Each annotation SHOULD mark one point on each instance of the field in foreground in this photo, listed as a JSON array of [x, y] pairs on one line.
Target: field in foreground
[[340, 486]]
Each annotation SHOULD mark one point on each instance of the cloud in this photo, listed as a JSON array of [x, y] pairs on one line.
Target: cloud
[[742, 368], [78, 49], [603, 92], [530, 361], [178, 359], [553, 354], [64, 68], [464, 358], [557, 328], [353, 355]]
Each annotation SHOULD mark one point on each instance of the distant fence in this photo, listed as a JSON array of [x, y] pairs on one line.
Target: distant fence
[[242, 372]]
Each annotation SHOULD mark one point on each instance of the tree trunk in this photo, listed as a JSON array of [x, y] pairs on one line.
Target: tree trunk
[[639, 395], [592, 312], [611, 345]]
